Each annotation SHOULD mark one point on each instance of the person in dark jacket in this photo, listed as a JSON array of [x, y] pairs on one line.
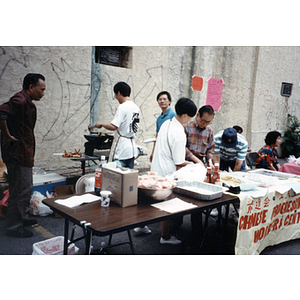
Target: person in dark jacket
[[17, 122]]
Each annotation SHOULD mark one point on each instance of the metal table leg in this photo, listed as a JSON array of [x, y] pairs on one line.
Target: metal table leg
[[131, 243], [88, 242], [66, 235]]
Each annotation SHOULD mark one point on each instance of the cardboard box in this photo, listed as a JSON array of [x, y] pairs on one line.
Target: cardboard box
[[62, 190], [123, 184]]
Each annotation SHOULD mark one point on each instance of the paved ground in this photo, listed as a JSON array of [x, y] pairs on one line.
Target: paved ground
[[215, 242]]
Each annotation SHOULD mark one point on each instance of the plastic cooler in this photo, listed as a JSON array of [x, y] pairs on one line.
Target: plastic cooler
[[46, 182]]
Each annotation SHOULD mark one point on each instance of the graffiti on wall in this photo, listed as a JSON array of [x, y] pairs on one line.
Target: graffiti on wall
[[10, 58], [66, 112], [143, 95], [67, 118]]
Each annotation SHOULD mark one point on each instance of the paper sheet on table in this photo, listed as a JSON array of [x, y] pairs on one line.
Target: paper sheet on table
[[77, 200], [173, 205]]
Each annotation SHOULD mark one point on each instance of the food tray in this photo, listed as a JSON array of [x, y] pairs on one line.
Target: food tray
[[199, 190], [244, 184]]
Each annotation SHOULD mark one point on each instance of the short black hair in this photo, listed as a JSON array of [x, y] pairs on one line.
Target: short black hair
[[32, 78], [271, 137], [185, 106], [164, 93], [123, 88], [206, 109], [238, 128]]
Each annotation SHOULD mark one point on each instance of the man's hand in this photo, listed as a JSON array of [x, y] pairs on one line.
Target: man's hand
[[9, 139]]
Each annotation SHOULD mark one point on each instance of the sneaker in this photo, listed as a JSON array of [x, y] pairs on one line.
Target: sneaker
[[142, 230], [19, 233], [214, 212], [172, 241], [29, 222]]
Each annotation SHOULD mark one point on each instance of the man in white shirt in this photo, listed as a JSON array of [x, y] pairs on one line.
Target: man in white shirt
[[169, 152], [126, 124]]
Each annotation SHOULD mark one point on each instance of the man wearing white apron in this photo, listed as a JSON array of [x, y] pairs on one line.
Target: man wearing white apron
[[126, 125]]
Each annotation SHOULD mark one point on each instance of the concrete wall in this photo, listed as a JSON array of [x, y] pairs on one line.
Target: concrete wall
[[251, 93], [80, 92], [63, 113]]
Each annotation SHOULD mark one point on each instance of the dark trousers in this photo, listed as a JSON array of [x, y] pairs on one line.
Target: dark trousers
[[224, 165], [127, 163], [20, 188]]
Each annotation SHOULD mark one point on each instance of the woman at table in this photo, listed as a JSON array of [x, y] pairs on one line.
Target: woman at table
[[267, 156]]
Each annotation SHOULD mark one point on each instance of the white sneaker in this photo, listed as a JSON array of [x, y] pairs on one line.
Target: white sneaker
[[144, 230], [173, 241], [214, 212]]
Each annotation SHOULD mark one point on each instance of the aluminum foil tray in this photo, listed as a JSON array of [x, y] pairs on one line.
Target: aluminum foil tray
[[199, 190]]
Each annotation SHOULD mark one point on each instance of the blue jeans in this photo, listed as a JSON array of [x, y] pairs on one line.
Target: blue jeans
[[127, 163]]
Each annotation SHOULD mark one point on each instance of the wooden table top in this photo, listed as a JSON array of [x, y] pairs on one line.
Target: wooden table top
[[113, 219]]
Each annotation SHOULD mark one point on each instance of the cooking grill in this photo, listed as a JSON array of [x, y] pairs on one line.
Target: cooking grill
[[95, 142]]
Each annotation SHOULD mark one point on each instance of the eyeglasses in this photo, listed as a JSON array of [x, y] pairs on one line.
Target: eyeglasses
[[202, 121]]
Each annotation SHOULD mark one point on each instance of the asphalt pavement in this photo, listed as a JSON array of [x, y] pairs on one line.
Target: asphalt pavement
[[216, 241]]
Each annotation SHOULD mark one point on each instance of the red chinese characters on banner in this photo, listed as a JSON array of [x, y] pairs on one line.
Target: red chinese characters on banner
[[214, 93]]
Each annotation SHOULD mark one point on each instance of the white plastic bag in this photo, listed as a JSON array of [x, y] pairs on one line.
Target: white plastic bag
[[291, 159], [37, 208], [192, 172]]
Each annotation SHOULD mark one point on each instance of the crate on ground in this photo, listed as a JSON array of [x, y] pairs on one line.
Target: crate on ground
[[53, 246]]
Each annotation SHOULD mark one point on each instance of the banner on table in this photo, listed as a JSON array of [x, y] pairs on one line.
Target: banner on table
[[267, 221]]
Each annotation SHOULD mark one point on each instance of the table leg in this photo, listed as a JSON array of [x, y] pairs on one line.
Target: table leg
[[66, 235], [131, 243], [83, 167], [88, 242], [219, 222]]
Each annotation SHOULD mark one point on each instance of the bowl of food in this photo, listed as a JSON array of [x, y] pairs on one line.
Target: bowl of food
[[155, 194], [154, 187]]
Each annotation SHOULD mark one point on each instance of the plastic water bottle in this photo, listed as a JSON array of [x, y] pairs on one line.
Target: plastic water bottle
[[98, 176], [116, 160]]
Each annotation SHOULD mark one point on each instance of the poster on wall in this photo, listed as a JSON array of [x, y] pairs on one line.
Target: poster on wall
[[197, 83], [214, 93]]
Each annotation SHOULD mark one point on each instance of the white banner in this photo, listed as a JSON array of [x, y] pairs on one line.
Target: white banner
[[267, 221]]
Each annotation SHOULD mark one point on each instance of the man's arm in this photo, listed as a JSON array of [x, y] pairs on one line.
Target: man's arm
[[154, 143], [238, 164], [108, 126], [183, 165], [6, 133], [216, 158]]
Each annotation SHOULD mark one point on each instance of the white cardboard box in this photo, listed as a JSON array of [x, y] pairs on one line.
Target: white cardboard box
[[122, 184]]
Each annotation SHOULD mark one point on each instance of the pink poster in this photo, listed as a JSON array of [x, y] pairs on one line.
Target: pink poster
[[214, 93]]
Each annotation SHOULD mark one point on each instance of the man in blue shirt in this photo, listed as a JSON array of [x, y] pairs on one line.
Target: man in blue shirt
[[164, 101]]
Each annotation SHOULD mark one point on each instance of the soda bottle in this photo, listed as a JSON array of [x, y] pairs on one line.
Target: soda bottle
[[98, 176], [208, 176], [216, 175]]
